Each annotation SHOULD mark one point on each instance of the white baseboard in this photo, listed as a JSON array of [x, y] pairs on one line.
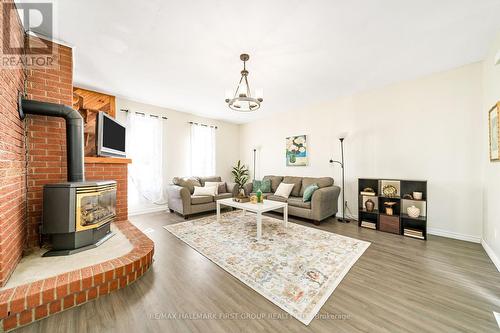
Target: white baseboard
[[454, 235], [441, 232], [148, 210], [491, 254]]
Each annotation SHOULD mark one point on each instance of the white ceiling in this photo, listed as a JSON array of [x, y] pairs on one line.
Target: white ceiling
[[185, 54]]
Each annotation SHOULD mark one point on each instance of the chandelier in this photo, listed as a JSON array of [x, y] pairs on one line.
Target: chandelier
[[242, 99]]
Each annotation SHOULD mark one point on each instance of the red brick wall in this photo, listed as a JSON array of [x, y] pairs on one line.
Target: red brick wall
[[24, 169], [12, 165], [118, 172], [46, 136]]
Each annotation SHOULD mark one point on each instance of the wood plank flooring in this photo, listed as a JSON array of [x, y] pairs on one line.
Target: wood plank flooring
[[398, 285]]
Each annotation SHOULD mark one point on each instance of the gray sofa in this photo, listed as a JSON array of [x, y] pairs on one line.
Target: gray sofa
[[323, 203], [181, 198]]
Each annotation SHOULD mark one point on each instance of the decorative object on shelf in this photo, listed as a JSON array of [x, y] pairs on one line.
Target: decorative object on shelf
[[408, 196], [369, 205], [494, 130], [417, 195], [242, 99], [369, 225], [368, 191], [413, 233], [413, 211], [389, 207], [342, 137], [240, 174], [296, 151], [390, 191]]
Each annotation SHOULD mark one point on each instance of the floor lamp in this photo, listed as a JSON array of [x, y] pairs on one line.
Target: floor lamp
[[254, 152], [342, 165]]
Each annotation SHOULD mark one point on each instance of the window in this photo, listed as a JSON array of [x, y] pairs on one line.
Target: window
[[145, 145], [202, 150]]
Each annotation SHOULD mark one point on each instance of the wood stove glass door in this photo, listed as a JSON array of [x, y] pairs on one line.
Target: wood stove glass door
[[95, 208]]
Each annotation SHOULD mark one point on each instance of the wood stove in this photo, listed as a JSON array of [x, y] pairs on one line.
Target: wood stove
[[76, 214]]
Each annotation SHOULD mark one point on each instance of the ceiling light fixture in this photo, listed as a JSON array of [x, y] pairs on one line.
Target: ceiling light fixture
[[242, 100]]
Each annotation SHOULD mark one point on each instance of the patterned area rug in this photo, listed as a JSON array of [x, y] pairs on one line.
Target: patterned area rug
[[297, 268]]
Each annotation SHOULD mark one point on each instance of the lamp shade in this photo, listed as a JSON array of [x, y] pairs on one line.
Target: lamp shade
[[342, 135]]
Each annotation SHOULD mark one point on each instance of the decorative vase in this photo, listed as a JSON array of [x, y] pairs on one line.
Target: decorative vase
[[389, 207], [292, 158], [417, 195], [413, 211], [241, 193], [369, 205], [259, 195], [390, 191]]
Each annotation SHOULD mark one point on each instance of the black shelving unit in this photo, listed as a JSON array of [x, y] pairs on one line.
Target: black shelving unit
[[400, 222]]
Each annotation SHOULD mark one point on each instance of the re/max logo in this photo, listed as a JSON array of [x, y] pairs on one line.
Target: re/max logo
[[36, 18]]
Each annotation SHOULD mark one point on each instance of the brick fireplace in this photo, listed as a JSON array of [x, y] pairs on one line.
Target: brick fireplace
[[33, 154], [46, 136], [39, 158]]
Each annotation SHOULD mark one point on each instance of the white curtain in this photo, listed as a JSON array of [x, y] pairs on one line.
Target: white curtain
[[202, 150], [146, 148]]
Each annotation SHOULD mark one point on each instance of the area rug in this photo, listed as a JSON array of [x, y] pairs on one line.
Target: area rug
[[297, 268]]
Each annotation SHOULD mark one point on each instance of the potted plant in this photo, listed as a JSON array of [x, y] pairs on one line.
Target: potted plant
[[240, 174]]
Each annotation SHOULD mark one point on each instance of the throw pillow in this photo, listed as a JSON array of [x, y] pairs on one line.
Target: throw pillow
[[264, 185], [188, 182], [256, 185], [198, 190], [284, 190], [308, 192], [221, 186]]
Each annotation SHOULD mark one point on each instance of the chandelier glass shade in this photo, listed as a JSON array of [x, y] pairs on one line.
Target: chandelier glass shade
[[242, 99]]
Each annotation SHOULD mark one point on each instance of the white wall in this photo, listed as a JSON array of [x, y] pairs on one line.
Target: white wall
[[491, 194], [429, 128], [177, 147]]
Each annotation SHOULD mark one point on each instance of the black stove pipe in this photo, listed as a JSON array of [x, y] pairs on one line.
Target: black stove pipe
[[74, 132]]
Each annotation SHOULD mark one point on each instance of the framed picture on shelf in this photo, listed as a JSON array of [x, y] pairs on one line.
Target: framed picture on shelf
[[296, 151], [494, 127]]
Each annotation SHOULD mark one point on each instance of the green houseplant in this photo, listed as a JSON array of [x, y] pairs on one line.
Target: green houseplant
[[240, 174]]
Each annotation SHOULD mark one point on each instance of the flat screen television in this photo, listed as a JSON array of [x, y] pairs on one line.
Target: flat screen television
[[110, 136]]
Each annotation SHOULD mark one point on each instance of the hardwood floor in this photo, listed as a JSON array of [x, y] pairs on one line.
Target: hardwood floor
[[399, 284]]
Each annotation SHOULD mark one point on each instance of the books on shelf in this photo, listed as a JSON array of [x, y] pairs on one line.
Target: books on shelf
[[369, 224], [414, 233], [371, 194]]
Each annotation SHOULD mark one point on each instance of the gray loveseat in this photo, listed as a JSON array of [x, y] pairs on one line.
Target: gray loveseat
[[182, 200], [323, 203]]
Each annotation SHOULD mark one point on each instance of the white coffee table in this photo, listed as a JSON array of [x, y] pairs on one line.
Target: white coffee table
[[258, 208]]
